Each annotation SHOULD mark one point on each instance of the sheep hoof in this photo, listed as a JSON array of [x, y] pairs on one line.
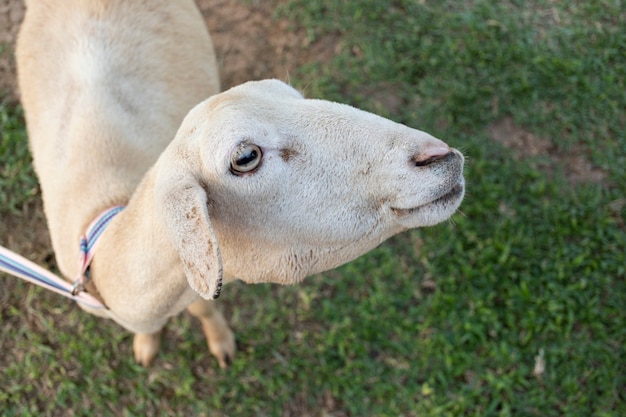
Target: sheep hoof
[[222, 347], [145, 347]]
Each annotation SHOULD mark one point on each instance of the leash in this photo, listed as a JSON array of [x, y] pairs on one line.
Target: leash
[[16, 265]]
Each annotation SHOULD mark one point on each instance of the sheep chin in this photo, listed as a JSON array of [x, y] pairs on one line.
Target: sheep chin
[[432, 212]]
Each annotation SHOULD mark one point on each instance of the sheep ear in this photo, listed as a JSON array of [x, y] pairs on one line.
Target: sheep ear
[[184, 203]]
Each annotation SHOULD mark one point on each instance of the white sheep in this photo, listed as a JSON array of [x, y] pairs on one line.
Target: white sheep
[[258, 184]]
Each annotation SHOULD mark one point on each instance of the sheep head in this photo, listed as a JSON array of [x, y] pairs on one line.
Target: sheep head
[[267, 186]]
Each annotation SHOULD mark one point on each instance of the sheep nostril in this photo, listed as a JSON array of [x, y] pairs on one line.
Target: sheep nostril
[[429, 156]]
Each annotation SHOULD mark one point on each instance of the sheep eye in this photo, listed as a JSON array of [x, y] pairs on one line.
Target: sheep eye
[[246, 158]]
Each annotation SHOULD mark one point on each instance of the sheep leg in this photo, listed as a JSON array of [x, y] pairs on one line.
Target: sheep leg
[[146, 346], [220, 338]]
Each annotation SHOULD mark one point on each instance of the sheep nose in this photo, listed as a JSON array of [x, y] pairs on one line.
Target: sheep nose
[[430, 155]]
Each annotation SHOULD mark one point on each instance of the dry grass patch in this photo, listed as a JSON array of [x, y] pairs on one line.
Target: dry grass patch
[[573, 161]]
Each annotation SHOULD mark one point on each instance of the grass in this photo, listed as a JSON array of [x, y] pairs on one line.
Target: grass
[[17, 177], [454, 320]]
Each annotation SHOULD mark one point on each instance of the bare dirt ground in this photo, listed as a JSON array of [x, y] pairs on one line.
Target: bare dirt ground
[[524, 144], [11, 14]]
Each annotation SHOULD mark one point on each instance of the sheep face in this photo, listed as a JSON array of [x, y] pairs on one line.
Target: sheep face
[[293, 187]]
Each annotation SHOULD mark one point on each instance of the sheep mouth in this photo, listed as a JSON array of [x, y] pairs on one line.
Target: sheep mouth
[[451, 196]]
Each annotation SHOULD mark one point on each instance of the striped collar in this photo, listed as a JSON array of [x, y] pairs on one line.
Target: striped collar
[[16, 265]]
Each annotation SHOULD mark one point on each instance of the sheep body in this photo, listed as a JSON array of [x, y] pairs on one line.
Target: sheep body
[[258, 183]]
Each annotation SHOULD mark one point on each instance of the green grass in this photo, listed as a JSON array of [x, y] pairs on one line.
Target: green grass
[[445, 321], [18, 184]]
